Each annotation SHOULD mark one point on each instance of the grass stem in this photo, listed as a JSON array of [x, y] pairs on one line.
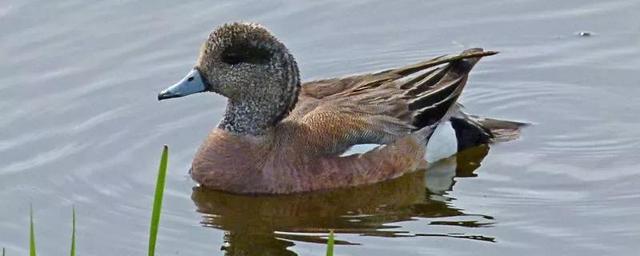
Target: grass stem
[[330, 243], [73, 232], [157, 201], [32, 235]]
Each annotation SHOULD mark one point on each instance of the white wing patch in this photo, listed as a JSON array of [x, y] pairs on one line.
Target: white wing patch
[[360, 149], [442, 144]]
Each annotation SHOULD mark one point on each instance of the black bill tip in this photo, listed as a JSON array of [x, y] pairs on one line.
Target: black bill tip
[[167, 95]]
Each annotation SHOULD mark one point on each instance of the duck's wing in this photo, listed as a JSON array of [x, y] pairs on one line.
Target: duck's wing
[[319, 89], [382, 107]]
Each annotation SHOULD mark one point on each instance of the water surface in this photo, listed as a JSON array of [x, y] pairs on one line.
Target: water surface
[[80, 126]]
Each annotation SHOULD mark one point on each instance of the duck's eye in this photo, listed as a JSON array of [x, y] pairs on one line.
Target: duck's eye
[[232, 58], [245, 54]]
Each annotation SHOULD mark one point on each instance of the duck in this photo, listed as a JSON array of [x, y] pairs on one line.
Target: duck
[[279, 135]]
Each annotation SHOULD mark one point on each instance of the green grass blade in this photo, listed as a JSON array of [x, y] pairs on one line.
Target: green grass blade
[[330, 244], [73, 232], [2, 251], [32, 235], [157, 201]]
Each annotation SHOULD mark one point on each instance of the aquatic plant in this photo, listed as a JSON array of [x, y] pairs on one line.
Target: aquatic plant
[[330, 243], [32, 235], [157, 201], [72, 251]]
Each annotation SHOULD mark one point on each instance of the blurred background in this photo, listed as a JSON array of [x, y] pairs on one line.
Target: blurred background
[[81, 126]]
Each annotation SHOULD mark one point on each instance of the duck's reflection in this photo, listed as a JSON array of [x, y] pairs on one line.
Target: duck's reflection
[[267, 225]]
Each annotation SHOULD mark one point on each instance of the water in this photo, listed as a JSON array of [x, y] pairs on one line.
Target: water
[[80, 126]]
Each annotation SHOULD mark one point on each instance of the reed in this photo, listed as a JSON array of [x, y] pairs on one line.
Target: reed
[[32, 235], [330, 243], [72, 251], [157, 201]]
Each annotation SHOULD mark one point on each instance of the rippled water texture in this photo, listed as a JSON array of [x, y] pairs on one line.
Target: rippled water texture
[[80, 126]]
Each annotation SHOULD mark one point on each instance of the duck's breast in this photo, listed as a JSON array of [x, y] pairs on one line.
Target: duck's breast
[[229, 162]]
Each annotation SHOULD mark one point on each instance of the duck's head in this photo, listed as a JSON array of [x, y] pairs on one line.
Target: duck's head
[[243, 62]]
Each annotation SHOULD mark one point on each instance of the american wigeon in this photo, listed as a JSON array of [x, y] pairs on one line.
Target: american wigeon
[[279, 135]]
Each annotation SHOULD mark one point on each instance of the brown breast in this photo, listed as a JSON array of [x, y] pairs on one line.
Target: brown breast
[[249, 165]]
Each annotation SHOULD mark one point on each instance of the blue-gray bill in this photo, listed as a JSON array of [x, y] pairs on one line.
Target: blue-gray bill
[[190, 84]]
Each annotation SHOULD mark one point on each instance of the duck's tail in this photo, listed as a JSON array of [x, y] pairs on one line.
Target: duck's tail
[[434, 86], [472, 130]]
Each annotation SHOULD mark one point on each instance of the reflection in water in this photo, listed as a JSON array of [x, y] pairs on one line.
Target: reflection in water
[[267, 225]]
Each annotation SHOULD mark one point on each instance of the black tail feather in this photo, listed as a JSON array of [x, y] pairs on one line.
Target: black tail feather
[[437, 92], [472, 130], [433, 87]]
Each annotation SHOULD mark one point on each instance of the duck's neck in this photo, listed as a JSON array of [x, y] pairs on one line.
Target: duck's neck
[[254, 114], [248, 117]]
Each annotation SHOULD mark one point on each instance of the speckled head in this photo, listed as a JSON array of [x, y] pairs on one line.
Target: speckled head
[[245, 60], [252, 68]]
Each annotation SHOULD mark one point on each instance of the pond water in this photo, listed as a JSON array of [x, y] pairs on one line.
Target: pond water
[[81, 126]]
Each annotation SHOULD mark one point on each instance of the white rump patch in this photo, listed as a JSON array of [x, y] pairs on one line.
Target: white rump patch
[[442, 143]]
